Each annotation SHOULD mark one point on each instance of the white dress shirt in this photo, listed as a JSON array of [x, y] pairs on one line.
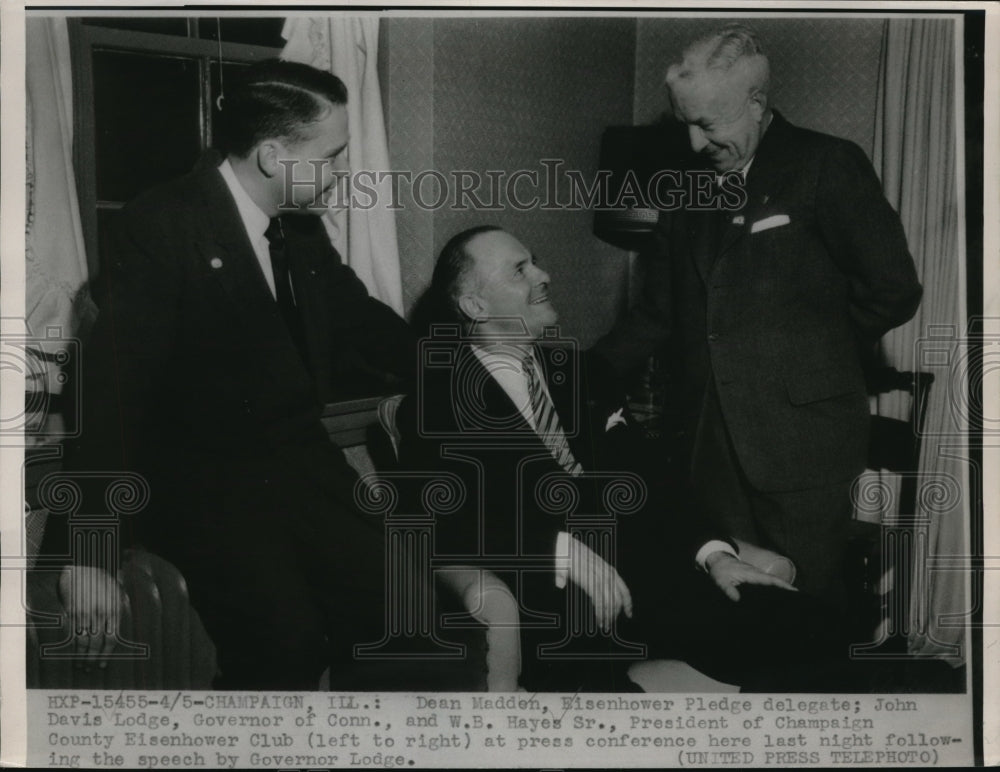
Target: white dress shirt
[[504, 362], [255, 221]]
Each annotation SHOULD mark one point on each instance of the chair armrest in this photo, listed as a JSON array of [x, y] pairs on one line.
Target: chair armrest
[[489, 601], [766, 560], [50, 630], [156, 613]]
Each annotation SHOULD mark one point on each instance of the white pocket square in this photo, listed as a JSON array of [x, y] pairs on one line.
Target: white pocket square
[[774, 221], [614, 419]]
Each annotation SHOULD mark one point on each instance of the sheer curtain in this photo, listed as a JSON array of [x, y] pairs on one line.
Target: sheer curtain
[[57, 303], [916, 154], [366, 235]]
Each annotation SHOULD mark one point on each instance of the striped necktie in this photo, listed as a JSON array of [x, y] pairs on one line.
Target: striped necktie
[[547, 425]]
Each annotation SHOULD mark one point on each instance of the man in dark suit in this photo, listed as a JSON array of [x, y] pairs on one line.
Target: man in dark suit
[[768, 311], [228, 320], [527, 433]]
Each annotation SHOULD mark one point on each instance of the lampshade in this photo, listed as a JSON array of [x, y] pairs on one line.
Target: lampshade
[[643, 150]]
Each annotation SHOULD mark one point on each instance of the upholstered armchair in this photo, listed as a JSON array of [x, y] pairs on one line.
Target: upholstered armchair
[[161, 641], [491, 603]]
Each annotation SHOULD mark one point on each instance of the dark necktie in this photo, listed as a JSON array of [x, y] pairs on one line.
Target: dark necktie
[[283, 285], [547, 425]]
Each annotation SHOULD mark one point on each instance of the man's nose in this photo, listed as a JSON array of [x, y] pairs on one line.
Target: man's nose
[[541, 277], [697, 138]]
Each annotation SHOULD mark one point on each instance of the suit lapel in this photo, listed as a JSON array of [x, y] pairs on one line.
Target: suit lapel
[[564, 392], [568, 398], [703, 232], [764, 180], [227, 251], [733, 226], [484, 402], [498, 409], [305, 268]]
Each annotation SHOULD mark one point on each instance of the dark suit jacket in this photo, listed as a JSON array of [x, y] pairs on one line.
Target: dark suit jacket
[[192, 379], [461, 420], [777, 304]]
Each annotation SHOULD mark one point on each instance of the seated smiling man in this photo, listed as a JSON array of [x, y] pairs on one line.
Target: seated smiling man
[[510, 411]]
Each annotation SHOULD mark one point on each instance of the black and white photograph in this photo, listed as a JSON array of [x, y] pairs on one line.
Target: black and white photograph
[[503, 386]]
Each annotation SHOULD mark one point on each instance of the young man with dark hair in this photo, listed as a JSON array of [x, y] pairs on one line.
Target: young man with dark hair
[[228, 320], [276, 99]]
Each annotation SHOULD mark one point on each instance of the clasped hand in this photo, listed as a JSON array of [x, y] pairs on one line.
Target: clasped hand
[[729, 572]]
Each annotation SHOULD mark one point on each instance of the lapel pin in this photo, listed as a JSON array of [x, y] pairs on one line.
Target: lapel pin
[[216, 262], [738, 220]]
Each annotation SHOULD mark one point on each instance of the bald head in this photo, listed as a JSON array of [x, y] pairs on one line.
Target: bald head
[[488, 276]]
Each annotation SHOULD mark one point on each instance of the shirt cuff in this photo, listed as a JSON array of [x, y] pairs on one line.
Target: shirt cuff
[[562, 559], [716, 545]]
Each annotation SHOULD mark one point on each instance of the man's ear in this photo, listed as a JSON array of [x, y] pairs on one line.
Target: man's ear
[[472, 306], [267, 157], [758, 105]]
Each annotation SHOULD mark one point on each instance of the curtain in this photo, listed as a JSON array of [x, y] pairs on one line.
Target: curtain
[[57, 303], [366, 235], [916, 154]]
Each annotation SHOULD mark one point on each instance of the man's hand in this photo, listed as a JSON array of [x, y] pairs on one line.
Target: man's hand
[[93, 601], [605, 588], [729, 572]]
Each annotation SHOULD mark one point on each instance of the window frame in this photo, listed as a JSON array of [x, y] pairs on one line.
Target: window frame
[[85, 39]]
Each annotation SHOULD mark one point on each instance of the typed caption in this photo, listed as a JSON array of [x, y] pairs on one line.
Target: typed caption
[[237, 730]]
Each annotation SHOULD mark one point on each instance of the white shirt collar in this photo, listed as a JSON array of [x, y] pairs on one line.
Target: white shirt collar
[[505, 363], [742, 172], [746, 167], [255, 220]]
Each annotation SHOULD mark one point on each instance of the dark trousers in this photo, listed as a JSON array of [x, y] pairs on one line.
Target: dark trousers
[[567, 653], [810, 526], [770, 640], [286, 580]]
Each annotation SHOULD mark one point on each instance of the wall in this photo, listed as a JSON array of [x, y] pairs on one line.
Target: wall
[[824, 72], [503, 94], [406, 53]]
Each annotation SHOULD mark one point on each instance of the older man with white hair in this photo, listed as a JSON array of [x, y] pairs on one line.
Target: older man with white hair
[[769, 311]]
